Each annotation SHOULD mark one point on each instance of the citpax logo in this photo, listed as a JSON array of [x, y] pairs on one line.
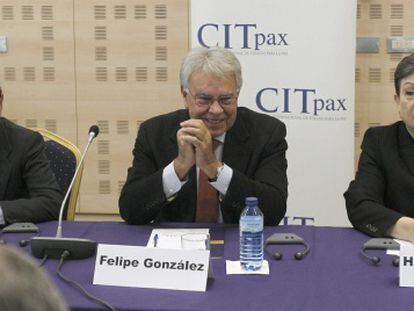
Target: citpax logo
[[239, 36]]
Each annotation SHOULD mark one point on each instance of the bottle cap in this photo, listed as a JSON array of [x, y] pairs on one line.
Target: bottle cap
[[251, 201]]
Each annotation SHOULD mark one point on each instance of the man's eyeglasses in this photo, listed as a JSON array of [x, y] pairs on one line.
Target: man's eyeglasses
[[204, 100]]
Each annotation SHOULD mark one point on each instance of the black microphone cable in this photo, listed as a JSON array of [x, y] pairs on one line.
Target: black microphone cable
[[75, 284], [42, 262]]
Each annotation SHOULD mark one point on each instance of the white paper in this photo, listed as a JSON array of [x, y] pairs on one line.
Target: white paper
[[234, 267], [138, 266], [407, 265], [396, 252], [171, 238]]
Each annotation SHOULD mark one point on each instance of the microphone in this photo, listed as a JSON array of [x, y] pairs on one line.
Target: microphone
[[53, 247]]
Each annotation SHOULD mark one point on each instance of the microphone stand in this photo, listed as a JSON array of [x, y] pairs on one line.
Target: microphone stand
[[53, 247]]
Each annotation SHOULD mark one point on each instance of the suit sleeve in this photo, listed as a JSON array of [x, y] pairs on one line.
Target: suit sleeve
[[268, 182], [365, 196], [142, 196], [42, 196]]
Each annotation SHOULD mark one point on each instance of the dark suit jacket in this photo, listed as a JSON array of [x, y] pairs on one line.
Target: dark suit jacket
[[254, 148], [28, 189], [383, 189]]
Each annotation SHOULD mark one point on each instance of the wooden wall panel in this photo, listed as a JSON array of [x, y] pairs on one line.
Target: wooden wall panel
[[37, 72], [374, 104], [127, 60], [74, 63]]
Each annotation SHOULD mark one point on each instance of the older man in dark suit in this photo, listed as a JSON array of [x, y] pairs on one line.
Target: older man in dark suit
[[200, 163], [28, 189]]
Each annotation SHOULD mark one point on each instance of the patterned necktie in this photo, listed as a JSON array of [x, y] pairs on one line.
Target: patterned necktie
[[207, 201]]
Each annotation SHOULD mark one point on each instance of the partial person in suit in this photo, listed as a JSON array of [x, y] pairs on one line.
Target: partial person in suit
[[176, 176], [380, 201], [24, 285], [28, 188]]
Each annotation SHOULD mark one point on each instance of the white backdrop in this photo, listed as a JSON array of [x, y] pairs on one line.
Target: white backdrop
[[298, 60]]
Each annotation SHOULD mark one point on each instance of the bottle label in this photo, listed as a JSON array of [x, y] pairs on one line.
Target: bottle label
[[251, 223]]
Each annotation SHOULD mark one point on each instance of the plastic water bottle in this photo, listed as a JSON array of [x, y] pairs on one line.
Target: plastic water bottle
[[251, 235]]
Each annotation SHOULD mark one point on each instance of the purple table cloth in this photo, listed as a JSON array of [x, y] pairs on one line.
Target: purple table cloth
[[334, 276]]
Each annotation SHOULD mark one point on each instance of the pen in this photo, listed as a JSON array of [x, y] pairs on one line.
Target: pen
[[155, 240]]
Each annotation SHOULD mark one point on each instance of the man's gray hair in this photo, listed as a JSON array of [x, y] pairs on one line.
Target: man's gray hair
[[216, 61], [24, 285]]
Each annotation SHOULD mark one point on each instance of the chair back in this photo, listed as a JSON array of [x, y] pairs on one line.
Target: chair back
[[64, 158]]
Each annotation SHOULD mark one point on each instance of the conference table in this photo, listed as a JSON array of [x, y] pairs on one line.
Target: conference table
[[334, 275]]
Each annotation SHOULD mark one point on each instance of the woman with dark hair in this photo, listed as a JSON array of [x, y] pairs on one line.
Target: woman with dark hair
[[380, 201]]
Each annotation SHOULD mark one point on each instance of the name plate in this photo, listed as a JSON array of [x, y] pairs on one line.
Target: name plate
[[406, 265], [138, 266]]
